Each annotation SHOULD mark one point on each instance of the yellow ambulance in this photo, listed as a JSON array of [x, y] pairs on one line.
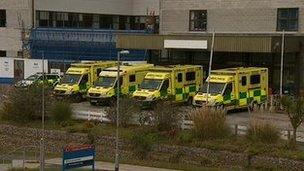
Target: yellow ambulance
[[79, 78], [177, 82], [234, 88], [104, 89]]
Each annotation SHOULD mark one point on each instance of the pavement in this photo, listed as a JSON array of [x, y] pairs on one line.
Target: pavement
[[55, 162]]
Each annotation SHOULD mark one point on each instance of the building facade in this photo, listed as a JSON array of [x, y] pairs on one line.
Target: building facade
[[15, 17], [65, 31], [18, 17], [247, 33]]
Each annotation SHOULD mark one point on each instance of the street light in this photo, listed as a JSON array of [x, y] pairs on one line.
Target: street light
[[123, 52], [42, 144]]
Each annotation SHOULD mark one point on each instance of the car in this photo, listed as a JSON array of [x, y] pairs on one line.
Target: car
[[51, 79]]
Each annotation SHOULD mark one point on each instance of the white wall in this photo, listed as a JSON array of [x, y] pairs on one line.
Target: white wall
[[122, 7], [140, 7]]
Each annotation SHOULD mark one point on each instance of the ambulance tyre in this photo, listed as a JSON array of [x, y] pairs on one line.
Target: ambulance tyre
[[78, 98], [93, 103], [189, 101], [221, 107], [253, 106]]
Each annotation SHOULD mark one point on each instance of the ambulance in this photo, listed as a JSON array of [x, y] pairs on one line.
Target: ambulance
[[79, 78], [105, 87], [234, 88], [179, 83]]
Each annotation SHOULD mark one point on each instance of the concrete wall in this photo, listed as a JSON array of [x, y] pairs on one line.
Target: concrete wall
[[227, 15], [18, 15], [121, 7]]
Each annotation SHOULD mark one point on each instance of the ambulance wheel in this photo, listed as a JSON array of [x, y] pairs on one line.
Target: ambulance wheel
[[189, 101], [253, 106], [78, 98], [93, 103], [222, 107]]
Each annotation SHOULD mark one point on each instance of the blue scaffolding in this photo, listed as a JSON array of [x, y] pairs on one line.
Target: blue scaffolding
[[79, 44]]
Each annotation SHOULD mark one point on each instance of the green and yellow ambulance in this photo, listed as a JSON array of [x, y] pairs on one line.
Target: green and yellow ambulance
[[234, 88], [105, 87], [179, 83], [79, 78]]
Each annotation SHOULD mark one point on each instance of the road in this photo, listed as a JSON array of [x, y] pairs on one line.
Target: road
[[233, 118]]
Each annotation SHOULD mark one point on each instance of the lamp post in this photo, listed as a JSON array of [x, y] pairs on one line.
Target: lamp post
[[42, 119], [210, 65], [282, 63], [123, 52]]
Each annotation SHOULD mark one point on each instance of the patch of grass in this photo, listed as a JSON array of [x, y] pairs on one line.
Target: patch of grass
[[210, 123], [262, 132]]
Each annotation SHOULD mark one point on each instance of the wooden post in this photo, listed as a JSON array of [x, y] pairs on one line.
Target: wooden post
[[236, 129]]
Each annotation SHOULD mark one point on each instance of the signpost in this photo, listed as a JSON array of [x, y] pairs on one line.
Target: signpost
[[78, 156]]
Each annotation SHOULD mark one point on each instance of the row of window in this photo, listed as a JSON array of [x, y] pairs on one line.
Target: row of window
[[98, 21], [254, 79], [190, 76], [287, 19]]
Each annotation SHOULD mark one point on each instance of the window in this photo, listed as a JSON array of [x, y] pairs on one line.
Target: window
[[255, 79], [198, 20], [84, 79], [2, 53], [165, 85], [105, 21], [2, 18], [87, 20], [244, 81], [228, 89], [179, 77], [132, 78], [190, 76], [288, 19], [61, 19]]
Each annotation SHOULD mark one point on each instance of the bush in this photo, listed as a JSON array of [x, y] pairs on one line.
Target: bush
[[25, 104], [93, 134], [61, 112], [263, 132], [142, 143], [128, 107], [185, 137], [166, 116], [210, 123]]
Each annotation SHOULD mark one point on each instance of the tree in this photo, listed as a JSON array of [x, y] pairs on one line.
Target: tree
[[295, 111]]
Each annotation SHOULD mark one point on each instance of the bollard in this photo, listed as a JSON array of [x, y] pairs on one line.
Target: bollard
[[288, 134], [236, 129]]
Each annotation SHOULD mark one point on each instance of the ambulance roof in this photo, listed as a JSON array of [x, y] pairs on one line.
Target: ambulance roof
[[128, 68], [171, 68], [156, 75], [93, 63], [232, 71]]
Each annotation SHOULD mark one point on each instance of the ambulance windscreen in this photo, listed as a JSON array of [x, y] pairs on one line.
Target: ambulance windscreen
[[105, 82], [214, 88], [150, 84]]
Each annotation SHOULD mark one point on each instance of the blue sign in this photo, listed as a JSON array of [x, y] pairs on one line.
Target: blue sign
[[78, 156]]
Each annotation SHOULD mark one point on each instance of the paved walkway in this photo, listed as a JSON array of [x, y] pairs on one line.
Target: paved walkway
[[98, 165]]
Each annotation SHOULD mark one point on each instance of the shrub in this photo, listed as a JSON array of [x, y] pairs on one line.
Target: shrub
[[93, 134], [166, 116], [263, 132], [185, 137], [127, 109], [210, 123], [142, 143], [61, 112], [25, 104]]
